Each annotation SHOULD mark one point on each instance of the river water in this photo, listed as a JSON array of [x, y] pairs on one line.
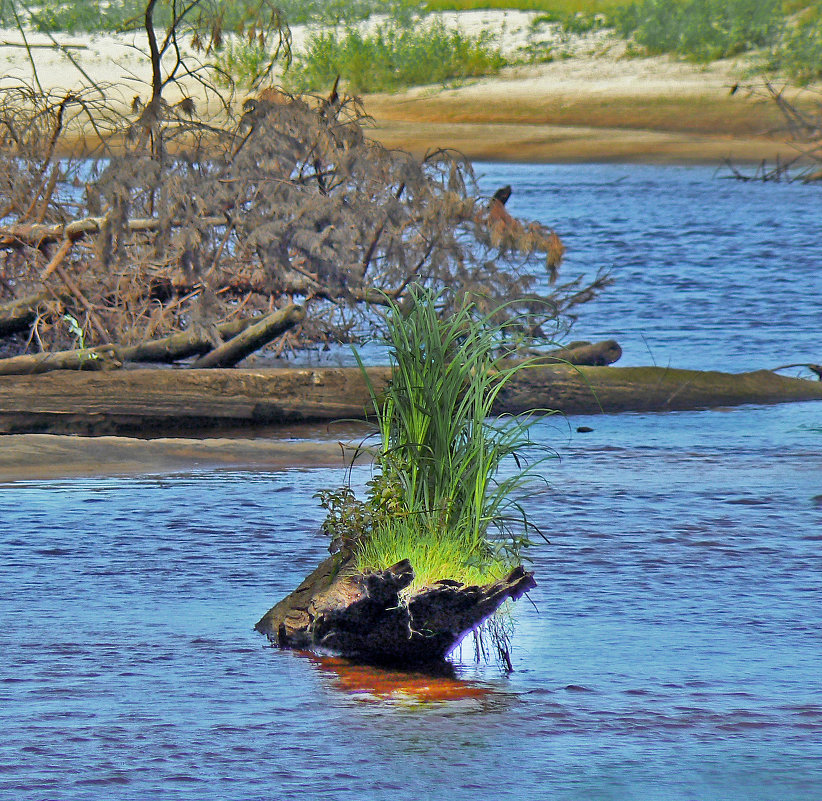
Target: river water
[[673, 649]]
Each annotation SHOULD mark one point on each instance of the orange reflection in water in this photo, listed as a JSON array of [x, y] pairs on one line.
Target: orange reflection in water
[[374, 683]]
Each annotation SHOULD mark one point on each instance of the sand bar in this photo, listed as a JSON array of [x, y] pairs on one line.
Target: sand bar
[[591, 103]]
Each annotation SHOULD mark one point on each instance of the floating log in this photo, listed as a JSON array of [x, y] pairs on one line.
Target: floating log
[[154, 401], [365, 616]]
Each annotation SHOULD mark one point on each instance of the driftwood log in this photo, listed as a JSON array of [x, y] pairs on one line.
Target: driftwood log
[[104, 358], [156, 401], [242, 338], [591, 354], [366, 617], [39, 234], [253, 338]]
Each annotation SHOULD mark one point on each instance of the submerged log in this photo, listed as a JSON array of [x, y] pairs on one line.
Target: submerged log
[[155, 401], [366, 615]]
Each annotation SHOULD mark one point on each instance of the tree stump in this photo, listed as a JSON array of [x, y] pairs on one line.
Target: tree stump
[[363, 616]]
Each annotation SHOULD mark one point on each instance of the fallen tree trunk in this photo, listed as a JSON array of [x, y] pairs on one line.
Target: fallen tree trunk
[[367, 616], [180, 346], [156, 401], [246, 336], [590, 390], [104, 358], [253, 338], [37, 235]]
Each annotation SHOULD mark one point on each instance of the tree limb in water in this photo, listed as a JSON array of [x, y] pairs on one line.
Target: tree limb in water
[[253, 338], [245, 336]]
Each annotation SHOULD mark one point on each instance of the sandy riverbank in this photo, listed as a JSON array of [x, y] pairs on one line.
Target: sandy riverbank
[[589, 108], [590, 104]]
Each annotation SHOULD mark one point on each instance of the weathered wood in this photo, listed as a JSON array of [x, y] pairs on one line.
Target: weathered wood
[[81, 359], [161, 400], [39, 234], [153, 401], [592, 354], [367, 616], [590, 390], [181, 345], [253, 338], [167, 349]]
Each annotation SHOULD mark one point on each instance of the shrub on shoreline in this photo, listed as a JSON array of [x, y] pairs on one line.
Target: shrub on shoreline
[[700, 30], [396, 53]]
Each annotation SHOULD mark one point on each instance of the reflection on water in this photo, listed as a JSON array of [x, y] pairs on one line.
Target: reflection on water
[[438, 685]]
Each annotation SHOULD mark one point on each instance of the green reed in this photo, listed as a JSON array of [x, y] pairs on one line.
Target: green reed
[[441, 451]]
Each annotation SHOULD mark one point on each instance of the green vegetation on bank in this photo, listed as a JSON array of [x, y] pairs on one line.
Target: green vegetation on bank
[[798, 53], [706, 30], [408, 47], [787, 33], [703, 30], [556, 8], [438, 498], [399, 52]]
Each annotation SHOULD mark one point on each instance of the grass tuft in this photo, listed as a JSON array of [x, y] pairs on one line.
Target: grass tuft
[[432, 556], [439, 498]]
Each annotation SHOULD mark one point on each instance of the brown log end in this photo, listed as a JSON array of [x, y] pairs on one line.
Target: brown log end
[[364, 616]]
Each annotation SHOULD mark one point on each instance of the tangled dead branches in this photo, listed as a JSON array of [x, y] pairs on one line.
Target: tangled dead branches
[[175, 220], [801, 111]]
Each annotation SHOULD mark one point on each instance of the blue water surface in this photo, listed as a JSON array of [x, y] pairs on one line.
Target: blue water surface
[[673, 649]]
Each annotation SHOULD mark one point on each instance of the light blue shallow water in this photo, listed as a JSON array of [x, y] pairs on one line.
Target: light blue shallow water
[[675, 648]]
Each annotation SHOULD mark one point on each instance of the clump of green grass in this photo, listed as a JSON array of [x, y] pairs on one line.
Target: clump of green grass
[[438, 498], [400, 52], [432, 556]]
